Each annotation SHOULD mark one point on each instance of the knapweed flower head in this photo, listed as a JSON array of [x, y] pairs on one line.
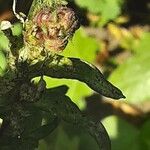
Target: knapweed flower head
[[51, 28]]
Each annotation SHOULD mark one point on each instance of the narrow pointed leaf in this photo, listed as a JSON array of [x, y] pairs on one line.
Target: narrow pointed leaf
[[69, 112], [73, 68], [44, 130], [98, 131]]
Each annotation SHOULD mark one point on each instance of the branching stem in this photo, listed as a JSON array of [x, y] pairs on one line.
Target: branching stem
[[19, 16]]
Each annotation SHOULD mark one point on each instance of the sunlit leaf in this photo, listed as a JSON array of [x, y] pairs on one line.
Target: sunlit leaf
[[133, 77], [73, 68], [143, 45], [3, 63], [84, 47], [122, 134], [92, 5], [4, 43], [108, 9], [17, 29]]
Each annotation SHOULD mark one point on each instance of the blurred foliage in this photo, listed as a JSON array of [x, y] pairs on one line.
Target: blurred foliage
[[133, 77], [125, 43], [103, 8], [67, 138], [119, 132]]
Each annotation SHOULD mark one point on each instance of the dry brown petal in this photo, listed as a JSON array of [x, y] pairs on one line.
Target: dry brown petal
[[43, 16], [55, 45], [53, 31]]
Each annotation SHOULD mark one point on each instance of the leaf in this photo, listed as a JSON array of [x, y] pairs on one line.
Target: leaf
[[143, 45], [133, 78], [32, 119], [122, 134], [3, 111], [63, 138], [61, 90], [4, 42], [109, 9], [3, 63], [43, 130], [17, 29], [71, 68], [77, 90], [84, 47], [98, 131], [87, 142], [10, 143], [92, 5], [70, 113], [145, 136], [29, 119], [107, 6]]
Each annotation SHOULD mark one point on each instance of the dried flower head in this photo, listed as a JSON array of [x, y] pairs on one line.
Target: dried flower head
[[51, 29]]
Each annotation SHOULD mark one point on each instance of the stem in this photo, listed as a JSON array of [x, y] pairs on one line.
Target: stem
[[16, 14]]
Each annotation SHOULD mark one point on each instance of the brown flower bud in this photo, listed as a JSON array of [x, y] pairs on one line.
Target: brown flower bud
[[52, 29], [68, 19], [43, 17]]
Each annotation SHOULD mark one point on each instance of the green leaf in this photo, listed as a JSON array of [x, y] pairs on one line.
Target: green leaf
[[77, 90], [4, 42], [16, 143], [72, 68], [84, 47], [3, 111], [43, 130], [29, 119], [70, 113], [92, 5], [143, 45], [66, 110], [98, 131], [133, 77], [122, 134], [33, 119], [59, 104], [3, 63], [109, 9], [145, 136], [61, 140], [17, 29], [64, 142]]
